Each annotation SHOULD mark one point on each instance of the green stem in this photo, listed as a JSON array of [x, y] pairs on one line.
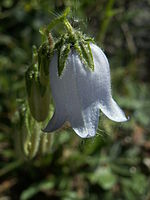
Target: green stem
[[108, 16], [45, 31]]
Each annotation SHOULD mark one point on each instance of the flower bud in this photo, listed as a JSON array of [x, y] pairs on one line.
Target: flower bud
[[44, 55], [30, 135], [38, 93]]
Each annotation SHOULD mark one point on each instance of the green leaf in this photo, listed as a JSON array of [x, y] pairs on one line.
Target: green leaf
[[34, 189], [104, 177], [10, 167], [139, 183]]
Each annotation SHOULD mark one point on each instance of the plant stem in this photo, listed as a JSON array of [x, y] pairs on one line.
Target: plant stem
[[57, 21], [107, 17]]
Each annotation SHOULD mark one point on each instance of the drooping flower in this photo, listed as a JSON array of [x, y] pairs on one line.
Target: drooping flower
[[79, 80], [79, 93]]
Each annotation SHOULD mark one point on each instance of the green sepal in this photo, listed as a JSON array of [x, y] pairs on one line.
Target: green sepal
[[77, 40], [89, 39], [90, 56], [87, 55], [83, 56], [62, 57], [63, 39], [79, 52]]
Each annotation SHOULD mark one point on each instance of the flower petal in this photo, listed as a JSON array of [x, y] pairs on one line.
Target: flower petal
[[103, 84], [86, 124], [80, 112], [112, 111], [58, 93], [95, 87], [56, 122], [79, 93]]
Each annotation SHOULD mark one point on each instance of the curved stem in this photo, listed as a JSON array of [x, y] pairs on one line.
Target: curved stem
[[108, 14], [56, 21]]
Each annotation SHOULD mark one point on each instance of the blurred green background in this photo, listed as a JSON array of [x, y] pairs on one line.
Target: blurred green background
[[114, 165]]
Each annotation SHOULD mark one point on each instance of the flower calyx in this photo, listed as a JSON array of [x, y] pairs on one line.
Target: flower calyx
[[71, 40], [77, 41]]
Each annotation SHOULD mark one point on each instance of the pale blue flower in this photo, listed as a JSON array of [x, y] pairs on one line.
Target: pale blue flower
[[79, 93]]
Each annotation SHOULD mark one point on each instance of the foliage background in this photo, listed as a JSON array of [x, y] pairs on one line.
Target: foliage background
[[116, 163]]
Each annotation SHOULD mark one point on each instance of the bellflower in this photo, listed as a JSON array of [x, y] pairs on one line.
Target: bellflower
[[80, 84], [79, 94]]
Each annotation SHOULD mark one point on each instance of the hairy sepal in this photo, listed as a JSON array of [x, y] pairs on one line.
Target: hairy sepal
[[62, 57]]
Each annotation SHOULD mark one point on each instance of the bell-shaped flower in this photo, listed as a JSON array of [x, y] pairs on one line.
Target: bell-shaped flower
[[79, 93]]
